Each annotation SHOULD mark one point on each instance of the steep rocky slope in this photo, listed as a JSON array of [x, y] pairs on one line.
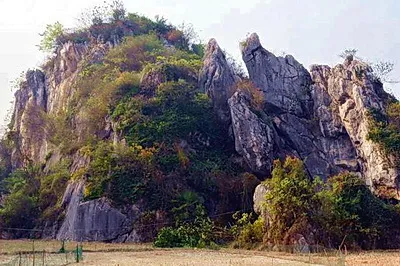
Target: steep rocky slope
[[321, 116], [44, 94], [110, 135]]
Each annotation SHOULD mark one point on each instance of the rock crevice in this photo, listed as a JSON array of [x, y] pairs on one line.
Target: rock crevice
[[320, 116]]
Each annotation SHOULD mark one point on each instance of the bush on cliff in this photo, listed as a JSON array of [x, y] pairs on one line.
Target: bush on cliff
[[342, 211], [50, 37], [385, 128]]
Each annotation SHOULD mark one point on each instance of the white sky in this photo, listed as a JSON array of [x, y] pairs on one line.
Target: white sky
[[314, 31]]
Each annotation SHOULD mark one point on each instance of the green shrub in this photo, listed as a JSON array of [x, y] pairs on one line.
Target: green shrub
[[134, 52], [19, 209], [33, 195], [342, 211], [142, 24], [199, 49], [177, 110], [385, 129], [247, 232], [196, 232], [355, 216], [50, 37], [60, 133], [123, 174], [52, 187], [169, 237], [289, 198]]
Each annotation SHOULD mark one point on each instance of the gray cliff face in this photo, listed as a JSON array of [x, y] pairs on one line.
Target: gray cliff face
[[46, 93], [95, 220], [293, 106], [254, 138], [217, 79], [284, 80], [354, 92], [30, 103], [62, 73], [320, 116]]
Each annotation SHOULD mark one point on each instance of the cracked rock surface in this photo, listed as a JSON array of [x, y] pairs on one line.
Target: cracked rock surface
[[320, 116], [217, 79]]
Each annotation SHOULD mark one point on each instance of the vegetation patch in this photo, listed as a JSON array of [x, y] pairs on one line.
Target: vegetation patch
[[385, 128]]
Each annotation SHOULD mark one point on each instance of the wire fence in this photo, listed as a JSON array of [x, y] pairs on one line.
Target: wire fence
[[42, 252], [309, 254], [51, 252], [21, 256]]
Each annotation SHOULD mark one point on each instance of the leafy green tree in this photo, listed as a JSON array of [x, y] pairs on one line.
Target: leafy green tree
[[193, 228], [354, 216], [50, 36], [289, 198], [247, 231], [20, 205]]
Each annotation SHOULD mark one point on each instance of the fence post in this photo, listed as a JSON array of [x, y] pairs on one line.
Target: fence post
[[43, 257], [77, 253], [81, 252], [20, 257], [33, 249], [62, 249]]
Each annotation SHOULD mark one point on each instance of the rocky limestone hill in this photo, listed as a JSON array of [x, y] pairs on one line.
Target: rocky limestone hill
[[322, 116]]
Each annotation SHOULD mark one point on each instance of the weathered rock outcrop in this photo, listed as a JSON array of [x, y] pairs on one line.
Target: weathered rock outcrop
[[290, 104], [217, 79], [321, 117], [284, 81], [95, 220], [30, 104], [354, 92], [254, 138], [47, 92], [259, 200]]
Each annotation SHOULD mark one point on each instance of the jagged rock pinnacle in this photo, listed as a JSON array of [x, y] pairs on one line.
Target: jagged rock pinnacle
[[217, 79]]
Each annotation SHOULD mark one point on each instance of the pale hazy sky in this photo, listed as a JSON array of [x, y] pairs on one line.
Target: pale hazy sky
[[314, 31]]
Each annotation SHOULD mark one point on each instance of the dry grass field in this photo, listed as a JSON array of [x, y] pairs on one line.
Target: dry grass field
[[134, 254], [183, 257]]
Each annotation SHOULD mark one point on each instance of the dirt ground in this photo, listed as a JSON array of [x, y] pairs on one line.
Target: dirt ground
[[183, 258], [146, 254], [374, 258], [231, 258]]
